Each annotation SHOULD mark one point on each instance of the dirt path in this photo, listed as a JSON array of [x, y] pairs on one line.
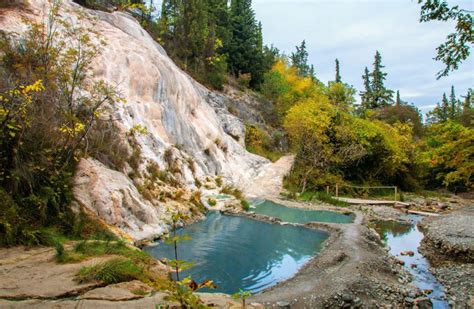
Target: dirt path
[[269, 182]]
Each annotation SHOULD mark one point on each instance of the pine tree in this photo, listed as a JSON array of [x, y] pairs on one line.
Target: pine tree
[[441, 112], [243, 46], [299, 60], [467, 114], [381, 96], [398, 102], [312, 73], [218, 35], [338, 75], [184, 30], [366, 95], [454, 105]]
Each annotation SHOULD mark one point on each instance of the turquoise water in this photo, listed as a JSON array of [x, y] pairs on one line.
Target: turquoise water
[[237, 252], [298, 215], [406, 237]]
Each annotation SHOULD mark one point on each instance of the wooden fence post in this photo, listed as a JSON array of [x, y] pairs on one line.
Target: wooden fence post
[[327, 190], [337, 190], [395, 193]]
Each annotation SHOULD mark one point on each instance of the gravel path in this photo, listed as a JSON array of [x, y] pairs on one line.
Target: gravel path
[[269, 182]]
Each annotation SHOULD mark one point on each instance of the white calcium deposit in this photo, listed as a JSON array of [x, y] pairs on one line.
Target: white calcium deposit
[[179, 114]]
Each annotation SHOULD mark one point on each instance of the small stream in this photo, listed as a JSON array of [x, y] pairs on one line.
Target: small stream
[[401, 236]]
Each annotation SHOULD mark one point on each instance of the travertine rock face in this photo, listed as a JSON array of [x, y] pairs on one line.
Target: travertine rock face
[[179, 114], [113, 197]]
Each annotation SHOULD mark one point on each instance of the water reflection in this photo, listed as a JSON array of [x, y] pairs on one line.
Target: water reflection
[[298, 215], [238, 253], [406, 237]]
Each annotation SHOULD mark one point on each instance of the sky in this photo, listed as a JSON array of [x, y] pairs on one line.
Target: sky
[[352, 30]]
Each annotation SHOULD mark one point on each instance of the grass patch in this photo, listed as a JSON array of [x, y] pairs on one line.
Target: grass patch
[[90, 248], [309, 196], [113, 271], [230, 190]]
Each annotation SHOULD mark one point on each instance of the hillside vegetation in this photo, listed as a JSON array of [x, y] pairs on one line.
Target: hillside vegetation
[[51, 113]]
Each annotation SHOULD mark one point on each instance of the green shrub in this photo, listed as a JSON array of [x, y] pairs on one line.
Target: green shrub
[[245, 204], [259, 142], [212, 202], [228, 189], [49, 109]]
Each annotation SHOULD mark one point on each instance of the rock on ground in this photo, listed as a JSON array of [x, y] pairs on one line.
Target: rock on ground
[[119, 292], [451, 236], [33, 273], [449, 245]]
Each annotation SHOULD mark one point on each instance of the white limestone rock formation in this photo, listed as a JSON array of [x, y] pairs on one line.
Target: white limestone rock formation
[[180, 115]]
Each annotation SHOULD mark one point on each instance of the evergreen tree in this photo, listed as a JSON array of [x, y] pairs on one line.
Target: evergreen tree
[[338, 75], [467, 114], [381, 96], [312, 73], [218, 34], [184, 30], [441, 112], [244, 52], [454, 105], [299, 60], [398, 102], [366, 95]]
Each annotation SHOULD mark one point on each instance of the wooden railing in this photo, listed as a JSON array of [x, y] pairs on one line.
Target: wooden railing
[[395, 188]]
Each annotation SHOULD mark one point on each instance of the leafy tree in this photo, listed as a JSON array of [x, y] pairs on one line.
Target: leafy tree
[[285, 87], [341, 95], [458, 44], [401, 112], [450, 155]]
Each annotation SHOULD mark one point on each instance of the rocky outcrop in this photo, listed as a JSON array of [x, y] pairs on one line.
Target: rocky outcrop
[[449, 245], [113, 197], [181, 118], [450, 237]]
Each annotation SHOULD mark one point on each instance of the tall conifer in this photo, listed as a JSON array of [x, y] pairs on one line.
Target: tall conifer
[[338, 74], [381, 96]]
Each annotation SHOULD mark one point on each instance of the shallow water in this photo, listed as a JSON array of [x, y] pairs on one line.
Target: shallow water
[[237, 252], [299, 215], [406, 237]]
